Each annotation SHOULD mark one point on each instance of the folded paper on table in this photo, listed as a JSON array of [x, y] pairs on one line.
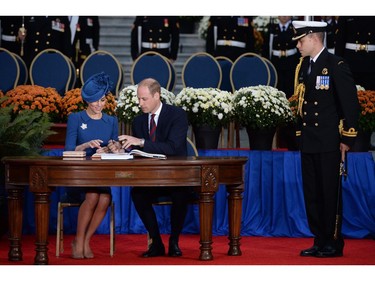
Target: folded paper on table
[[106, 156], [128, 155]]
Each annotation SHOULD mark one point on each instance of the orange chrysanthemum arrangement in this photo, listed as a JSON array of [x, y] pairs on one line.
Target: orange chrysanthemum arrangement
[[366, 100], [34, 97], [293, 103], [72, 102]]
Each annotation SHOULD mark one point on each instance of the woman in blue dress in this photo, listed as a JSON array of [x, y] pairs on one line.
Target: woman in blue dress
[[91, 130]]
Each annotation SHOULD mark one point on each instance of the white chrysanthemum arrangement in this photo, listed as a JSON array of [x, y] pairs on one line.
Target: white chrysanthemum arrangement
[[261, 107], [209, 106]]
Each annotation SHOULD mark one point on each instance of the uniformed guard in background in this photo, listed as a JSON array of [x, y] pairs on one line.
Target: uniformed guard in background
[[282, 51], [13, 34], [331, 32], [45, 32], [355, 42], [160, 34], [230, 36], [85, 35]]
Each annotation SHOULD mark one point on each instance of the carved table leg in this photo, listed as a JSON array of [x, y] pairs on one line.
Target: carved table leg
[[39, 186], [42, 209], [206, 207], [235, 214], [15, 215]]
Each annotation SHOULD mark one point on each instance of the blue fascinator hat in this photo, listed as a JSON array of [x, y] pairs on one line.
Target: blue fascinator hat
[[95, 87]]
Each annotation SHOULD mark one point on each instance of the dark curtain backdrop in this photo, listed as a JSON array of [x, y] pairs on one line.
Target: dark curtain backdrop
[[272, 202]]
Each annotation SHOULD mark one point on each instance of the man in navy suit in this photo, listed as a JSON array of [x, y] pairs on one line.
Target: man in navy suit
[[170, 139]]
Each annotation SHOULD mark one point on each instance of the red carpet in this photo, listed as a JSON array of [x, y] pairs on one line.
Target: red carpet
[[255, 251], [262, 259]]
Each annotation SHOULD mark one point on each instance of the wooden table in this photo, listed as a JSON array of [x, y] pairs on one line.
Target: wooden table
[[44, 174]]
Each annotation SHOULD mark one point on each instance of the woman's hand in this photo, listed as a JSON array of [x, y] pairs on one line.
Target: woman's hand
[[114, 146], [104, 149]]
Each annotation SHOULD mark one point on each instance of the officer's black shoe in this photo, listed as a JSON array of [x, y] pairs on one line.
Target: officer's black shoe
[[329, 252], [155, 250], [310, 252], [173, 249]]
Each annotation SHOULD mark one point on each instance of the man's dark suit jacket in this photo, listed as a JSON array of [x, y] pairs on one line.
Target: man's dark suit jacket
[[171, 131]]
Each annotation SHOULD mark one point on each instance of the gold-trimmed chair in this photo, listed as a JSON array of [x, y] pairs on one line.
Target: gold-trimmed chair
[[67, 202], [9, 71], [248, 70], [201, 70], [51, 68], [153, 65], [24, 72], [103, 61]]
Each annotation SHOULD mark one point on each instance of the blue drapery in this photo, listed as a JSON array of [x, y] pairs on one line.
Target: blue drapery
[[272, 201]]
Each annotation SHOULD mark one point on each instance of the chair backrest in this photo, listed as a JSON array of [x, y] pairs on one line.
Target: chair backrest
[[273, 72], [152, 65], [51, 68], [225, 64], [24, 72], [191, 149], [172, 85], [201, 70], [73, 79], [9, 70], [103, 61], [248, 70]]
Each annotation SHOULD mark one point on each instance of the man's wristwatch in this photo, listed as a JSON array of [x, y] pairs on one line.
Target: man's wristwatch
[[142, 143]]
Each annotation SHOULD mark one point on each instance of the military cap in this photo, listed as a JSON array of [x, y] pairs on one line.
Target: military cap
[[302, 28]]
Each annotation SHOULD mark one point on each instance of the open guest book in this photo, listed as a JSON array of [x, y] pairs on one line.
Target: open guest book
[[128, 155]]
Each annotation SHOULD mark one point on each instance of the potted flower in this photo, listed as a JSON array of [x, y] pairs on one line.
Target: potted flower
[[36, 98], [293, 103], [208, 109], [128, 106], [261, 109], [366, 121]]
